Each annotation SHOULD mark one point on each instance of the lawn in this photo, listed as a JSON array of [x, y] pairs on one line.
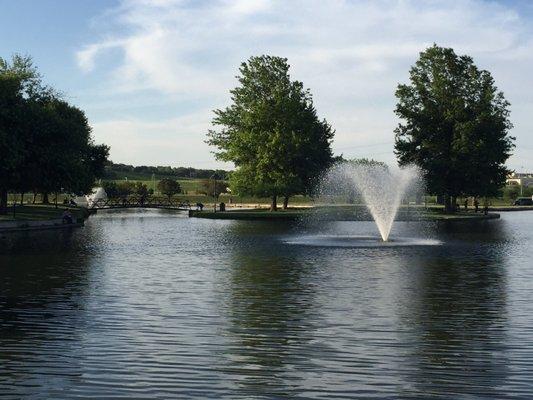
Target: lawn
[[40, 213]]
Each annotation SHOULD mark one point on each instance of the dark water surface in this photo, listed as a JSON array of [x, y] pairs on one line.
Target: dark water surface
[[154, 305]]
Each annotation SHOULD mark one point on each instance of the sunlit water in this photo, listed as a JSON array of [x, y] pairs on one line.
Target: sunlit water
[[153, 305]]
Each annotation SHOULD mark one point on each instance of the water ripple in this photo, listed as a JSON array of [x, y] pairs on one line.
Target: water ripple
[[148, 305]]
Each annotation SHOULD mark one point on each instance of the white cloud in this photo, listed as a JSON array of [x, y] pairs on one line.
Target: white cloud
[[86, 57], [351, 54]]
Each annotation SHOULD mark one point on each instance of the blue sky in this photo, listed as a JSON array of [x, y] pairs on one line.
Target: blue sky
[[149, 73]]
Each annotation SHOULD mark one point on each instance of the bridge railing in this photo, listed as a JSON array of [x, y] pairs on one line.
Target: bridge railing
[[139, 202]]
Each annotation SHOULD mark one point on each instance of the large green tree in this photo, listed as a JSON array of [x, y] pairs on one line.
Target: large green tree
[[271, 133], [454, 125], [16, 78], [45, 143]]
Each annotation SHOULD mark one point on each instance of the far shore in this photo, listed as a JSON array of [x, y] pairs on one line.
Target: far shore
[[339, 213], [35, 217], [40, 217]]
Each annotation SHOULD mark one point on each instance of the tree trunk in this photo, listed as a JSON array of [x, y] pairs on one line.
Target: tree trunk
[[45, 198], [285, 202], [274, 204], [22, 199], [34, 197], [3, 201], [448, 207]]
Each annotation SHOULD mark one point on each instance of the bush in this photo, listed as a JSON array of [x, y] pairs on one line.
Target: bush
[[169, 187]]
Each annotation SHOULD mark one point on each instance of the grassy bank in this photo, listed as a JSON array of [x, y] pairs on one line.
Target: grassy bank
[[41, 213], [258, 214], [340, 213]]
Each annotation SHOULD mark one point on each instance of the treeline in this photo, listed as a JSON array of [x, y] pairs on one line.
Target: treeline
[[120, 171], [45, 143], [124, 189], [166, 186], [454, 125]]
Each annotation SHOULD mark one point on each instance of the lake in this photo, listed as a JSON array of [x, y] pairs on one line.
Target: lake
[[151, 304]]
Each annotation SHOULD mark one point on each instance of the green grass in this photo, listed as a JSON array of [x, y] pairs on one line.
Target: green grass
[[40, 213]]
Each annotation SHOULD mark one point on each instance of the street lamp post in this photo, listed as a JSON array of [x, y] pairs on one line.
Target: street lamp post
[[521, 184], [214, 176]]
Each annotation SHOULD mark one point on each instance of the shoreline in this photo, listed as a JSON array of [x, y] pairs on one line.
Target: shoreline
[[36, 225], [335, 215], [339, 213], [41, 217]]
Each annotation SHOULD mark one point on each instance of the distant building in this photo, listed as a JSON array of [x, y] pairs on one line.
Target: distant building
[[520, 179]]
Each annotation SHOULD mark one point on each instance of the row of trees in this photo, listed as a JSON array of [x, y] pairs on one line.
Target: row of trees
[[168, 187], [45, 142], [118, 171], [454, 126]]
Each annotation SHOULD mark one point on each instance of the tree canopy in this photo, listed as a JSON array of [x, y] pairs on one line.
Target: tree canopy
[[271, 132], [169, 187], [45, 143], [454, 125], [213, 187], [144, 172]]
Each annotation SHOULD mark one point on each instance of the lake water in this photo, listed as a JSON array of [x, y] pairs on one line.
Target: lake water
[[151, 304]]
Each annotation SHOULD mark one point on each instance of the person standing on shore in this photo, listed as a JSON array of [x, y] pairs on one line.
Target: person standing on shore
[[67, 217]]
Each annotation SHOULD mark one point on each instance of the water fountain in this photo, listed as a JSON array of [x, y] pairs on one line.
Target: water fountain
[[380, 188]]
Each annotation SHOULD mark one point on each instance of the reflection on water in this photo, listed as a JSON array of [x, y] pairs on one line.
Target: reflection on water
[[459, 341], [148, 304], [268, 316]]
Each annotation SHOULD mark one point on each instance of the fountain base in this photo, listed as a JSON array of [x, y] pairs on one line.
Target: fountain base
[[358, 241]]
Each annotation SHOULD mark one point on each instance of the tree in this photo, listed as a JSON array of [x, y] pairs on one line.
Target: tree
[[125, 189], [271, 133], [16, 78], [111, 188], [141, 189], [45, 143], [63, 155], [169, 187], [369, 162], [512, 192], [213, 187], [455, 126]]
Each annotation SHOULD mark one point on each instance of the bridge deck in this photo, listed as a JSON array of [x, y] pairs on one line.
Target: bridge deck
[[140, 202]]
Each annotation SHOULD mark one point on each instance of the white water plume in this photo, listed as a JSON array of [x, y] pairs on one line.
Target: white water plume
[[379, 187]]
